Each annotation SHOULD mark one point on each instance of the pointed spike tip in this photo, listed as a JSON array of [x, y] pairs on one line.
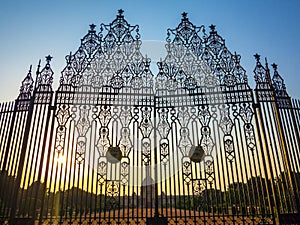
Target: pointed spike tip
[[266, 62], [184, 16]]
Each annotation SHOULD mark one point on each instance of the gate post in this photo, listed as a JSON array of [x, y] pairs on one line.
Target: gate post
[[21, 162], [156, 213], [262, 94], [266, 93], [277, 98]]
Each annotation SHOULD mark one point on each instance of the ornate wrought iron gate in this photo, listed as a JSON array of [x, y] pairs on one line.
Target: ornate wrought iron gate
[[116, 144]]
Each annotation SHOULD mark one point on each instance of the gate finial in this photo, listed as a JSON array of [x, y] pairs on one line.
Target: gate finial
[[120, 11], [92, 27], [212, 29], [48, 58], [274, 66], [257, 57]]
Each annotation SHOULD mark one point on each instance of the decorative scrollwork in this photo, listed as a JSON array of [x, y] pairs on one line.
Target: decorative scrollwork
[[185, 143], [164, 151], [229, 148], [146, 151], [62, 116], [209, 169], [101, 171], [104, 115], [103, 142], [204, 115], [26, 87], [146, 125], [91, 42], [261, 75], [246, 112], [44, 78], [187, 34], [223, 64], [112, 59], [112, 191], [183, 116], [186, 170], [278, 83], [199, 187], [281, 94], [112, 188], [182, 69], [68, 72], [125, 116], [125, 171], [119, 32], [80, 149], [206, 141], [226, 123], [250, 139], [125, 141], [83, 123], [163, 125], [263, 80]]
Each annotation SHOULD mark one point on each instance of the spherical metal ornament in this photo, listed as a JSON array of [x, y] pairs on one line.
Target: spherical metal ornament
[[114, 154], [196, 154]]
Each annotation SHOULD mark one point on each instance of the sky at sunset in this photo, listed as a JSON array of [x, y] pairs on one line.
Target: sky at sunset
[[30, 30]]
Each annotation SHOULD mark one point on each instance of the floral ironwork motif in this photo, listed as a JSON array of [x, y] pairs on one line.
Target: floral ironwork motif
[[62, 116], [210, 48], [194, 138], [112, 191], [83, 125]]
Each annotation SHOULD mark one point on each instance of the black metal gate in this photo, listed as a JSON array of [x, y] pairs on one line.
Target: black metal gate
[[116, 144]]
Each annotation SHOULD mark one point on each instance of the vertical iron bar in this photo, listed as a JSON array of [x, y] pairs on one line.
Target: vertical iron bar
[[156, 212], [285, 155], [266, 159], [9, 138], [43, 153]]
